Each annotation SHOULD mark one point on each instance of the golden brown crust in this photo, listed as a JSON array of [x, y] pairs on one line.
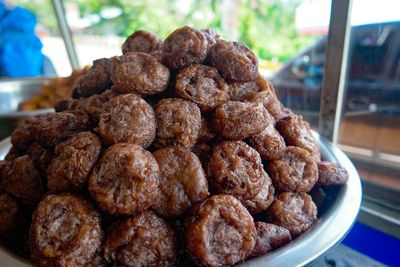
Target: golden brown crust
[[220, 232], [268, 98], [330, 174], [65, 231], [296, 132], [269, 237], [211, 121], [178, 123], [241, 91], [125, 180], [262, 200], [143, 240], [211, 35], [235, 168], [293, 211], [238, 120], [142, 41], [269, 143], [139, 73], [127, 119], [202, 85], [183, 182], [183, 47], [295, 171], [73, 162], [95, 81], [234, 61]]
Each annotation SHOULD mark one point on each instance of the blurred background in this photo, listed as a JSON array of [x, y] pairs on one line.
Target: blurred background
[[100, 27], [288, 36]]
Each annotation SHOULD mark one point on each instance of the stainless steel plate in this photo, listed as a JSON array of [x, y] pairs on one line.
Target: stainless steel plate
[[14, 91], [332, 226]]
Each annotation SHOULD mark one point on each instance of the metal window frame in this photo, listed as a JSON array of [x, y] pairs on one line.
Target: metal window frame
[[377, 215], [59, 11], [335, 69]]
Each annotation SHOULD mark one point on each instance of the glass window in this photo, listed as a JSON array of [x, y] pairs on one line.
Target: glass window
[[298, 83], [370, 125]]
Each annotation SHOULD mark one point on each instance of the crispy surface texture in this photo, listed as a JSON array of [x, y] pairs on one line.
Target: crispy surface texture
[[236, 169], [22, 180], [220, 232], [65, 231], [125, 180], [202, 85], [262, 200], [183, 182], [22, 136], [183, 47], [142, 41], [178, 123], [269, 143], [269, 237], [92, 105], [270, 102], [293, 211], [127, 119], [143, 240], [95, 81], [73, 162], [296, 132], [181, 144], [330, 174], [234, 61], [52, 128], [295, 171], [139, 73], [236, 120], [40, 156], [240, 91]]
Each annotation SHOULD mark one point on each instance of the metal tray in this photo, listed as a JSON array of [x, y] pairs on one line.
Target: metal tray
[[14, 91], [330, 229]]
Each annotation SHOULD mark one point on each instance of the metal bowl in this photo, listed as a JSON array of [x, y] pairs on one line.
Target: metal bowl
[[332, 226], [14, 91]]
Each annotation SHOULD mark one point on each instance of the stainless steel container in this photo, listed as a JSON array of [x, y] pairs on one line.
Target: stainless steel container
[[331, 227], [13, 92]]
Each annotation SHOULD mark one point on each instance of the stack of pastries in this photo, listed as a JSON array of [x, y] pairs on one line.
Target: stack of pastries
[[177, 153]]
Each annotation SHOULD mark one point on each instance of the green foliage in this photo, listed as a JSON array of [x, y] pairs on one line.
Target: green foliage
[[43, 11], [267, 27]]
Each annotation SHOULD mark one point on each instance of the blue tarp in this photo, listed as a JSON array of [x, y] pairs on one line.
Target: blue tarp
[[20, 49], [375, 244]]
